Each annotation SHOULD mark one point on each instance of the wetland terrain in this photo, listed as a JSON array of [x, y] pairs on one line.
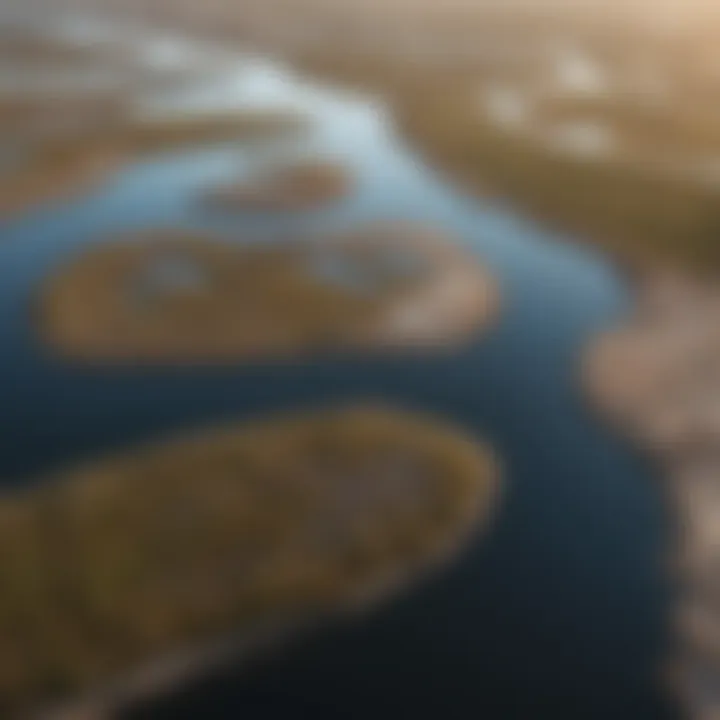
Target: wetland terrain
[[560, 608]]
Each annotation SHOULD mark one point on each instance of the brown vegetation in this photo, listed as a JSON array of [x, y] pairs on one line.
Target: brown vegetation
[[124, 561], [639, 214], [39, 181], [178, 297]]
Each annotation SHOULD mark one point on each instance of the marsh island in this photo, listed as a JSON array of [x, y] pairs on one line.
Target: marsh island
[[128, 573], [174, 296]]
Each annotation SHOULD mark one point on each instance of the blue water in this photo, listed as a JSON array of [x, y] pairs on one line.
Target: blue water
[[559, 612]]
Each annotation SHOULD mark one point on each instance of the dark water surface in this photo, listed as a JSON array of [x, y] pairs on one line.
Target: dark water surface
[[559, 613]]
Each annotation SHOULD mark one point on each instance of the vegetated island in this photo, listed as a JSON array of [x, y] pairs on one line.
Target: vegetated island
[[299, 186], [66, 165], [657, 378], [179, 297], [130, 574]]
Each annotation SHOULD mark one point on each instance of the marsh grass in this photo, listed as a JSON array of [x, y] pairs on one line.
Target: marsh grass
[[178, 297], [127, 558], [642, 214]]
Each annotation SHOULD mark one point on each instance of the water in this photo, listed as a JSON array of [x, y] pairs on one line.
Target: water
[[560, 611]]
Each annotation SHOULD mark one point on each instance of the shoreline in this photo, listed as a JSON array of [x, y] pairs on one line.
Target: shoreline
[[655, 379]]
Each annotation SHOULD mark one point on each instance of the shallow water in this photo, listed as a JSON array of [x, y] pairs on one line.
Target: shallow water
[[560, 610]]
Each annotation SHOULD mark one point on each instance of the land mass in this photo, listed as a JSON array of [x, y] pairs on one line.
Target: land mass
[[657, 379], [640, 206], [179, 297], [124, 576]]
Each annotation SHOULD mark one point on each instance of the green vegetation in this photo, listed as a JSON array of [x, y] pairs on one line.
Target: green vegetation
[[179, 297], [304, 185], [125, 560]]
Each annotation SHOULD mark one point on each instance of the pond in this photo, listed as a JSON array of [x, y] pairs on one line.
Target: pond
[[561, 610]]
